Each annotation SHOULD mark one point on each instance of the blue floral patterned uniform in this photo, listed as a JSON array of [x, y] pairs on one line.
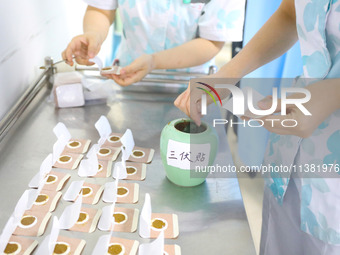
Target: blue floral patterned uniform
[[318, 26], [154, 25]]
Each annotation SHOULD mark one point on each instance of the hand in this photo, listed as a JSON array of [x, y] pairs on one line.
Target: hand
[[83, 47], [134, 72], [189, 101], [320, 106], [184, 100]]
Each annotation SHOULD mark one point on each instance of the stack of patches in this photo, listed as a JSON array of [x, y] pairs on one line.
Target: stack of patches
[[68, 90], [71, 89]]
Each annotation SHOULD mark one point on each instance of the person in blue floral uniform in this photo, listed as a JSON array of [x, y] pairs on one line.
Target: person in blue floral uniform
[[159, 34], [301, 211]]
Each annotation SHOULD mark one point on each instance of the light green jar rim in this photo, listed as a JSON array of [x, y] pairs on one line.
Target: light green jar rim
[[177, 121]]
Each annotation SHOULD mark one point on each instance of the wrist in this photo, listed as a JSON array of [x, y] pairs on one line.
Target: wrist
[[154, 61], [229, 71]]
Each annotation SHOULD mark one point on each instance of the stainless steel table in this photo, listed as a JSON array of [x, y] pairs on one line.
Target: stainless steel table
[[212, 218]]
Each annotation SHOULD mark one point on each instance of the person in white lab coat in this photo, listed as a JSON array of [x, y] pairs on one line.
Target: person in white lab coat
[[159, 34]]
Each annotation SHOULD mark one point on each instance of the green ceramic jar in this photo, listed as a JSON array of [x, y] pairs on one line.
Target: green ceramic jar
[[186, 149]]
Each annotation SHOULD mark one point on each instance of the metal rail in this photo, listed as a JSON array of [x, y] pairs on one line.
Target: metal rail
[[18, 109], [156, 72], [212, 69], [150, 79]]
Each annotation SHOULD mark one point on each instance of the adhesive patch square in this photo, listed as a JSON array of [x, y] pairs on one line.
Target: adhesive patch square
[[141, 155], [20, 246], [113, 140], [68, 160], [87, 221], [104, 169], [122, 246], [124, 219], [46, 201], [91, 193], [67, 245], [127, 193], [108, 153], [56, 181], [135, 171], [166, 222], [77, 146], [32, 223]]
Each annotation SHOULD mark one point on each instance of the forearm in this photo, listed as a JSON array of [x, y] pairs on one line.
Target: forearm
[[276, 37], [193, 53], [98, 22], [327, 94]]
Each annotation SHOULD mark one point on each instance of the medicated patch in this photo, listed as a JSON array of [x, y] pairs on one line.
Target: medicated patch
[[68, 160], [122, 246], [67, 245], [56, 180], [108, 153], [20, 246], [127, 193], [172, 249], [104, 169], [46, 201], [125, 219], [91, 193], [87, 220], [77, 146], [32, 223], [166, 222], [141, 155], [135, 171], [113, 140]]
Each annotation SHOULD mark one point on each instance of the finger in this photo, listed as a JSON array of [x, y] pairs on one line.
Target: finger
[[83, 61], [81, 54], [182, 103], [63, 55], [109, 76], [192, 106], [71, 48], [121, 81], [78, 50], [178, 100], [194, 112], [130, 80], [68, 56]]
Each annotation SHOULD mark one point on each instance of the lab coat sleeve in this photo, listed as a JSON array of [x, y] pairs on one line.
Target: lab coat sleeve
[[222, 20], [103, 4]]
